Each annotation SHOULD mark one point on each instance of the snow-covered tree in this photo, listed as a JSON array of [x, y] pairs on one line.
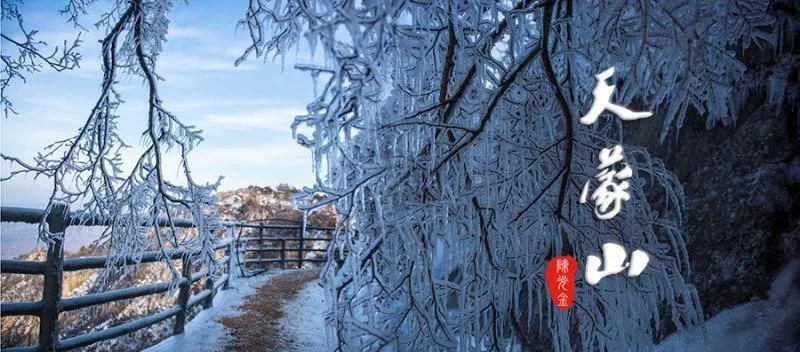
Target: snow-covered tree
[[446, 134], [87, 169]]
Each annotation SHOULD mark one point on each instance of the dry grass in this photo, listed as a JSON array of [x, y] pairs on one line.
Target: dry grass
[[258, 327]]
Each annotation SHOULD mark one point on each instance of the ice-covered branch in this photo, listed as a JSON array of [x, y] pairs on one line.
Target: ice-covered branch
[[25, 54], [87, 168], [480, 159]]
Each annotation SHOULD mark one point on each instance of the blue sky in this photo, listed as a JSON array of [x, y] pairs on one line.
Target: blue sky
[[245, 112]]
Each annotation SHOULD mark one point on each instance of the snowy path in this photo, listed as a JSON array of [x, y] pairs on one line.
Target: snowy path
[[205, 333], [304, 322], [300, 327]]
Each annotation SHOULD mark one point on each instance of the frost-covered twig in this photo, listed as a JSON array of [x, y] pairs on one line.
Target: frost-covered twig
[[31, 54], [87, 168]]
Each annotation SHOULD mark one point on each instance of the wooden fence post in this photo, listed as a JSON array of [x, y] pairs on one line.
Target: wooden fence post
[[209, 301], [57, 223], [183, 295], [231, 252], [283, 253], [300, 250], [260, 246]]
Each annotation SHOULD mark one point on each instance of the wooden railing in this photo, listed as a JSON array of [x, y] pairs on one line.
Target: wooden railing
[[52, 269], [262, 250]]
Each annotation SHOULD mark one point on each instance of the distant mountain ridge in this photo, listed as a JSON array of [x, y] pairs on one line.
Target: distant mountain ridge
[[254, 203]]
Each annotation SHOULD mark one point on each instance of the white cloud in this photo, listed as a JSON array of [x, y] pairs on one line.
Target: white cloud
[[196, 62], [203, 104], [177, 32], [267, 154], [274, 118], [266, 164], [25, 137]]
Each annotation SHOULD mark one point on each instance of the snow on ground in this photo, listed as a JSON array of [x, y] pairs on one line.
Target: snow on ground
[[304, 322], [205, 333], [741, 328], [762, 325]]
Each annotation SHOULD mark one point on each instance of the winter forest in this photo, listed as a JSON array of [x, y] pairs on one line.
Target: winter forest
[[455, 148]]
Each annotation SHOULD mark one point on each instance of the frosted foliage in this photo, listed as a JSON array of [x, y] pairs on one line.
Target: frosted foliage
[[446, 134], [86, 169], [25, 54]]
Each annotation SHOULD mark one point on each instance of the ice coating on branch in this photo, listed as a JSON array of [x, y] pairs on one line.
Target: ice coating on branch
[[86, 170], [446, 134]]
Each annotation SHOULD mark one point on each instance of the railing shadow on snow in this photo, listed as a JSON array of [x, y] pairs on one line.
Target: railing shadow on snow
[[256, 251]]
